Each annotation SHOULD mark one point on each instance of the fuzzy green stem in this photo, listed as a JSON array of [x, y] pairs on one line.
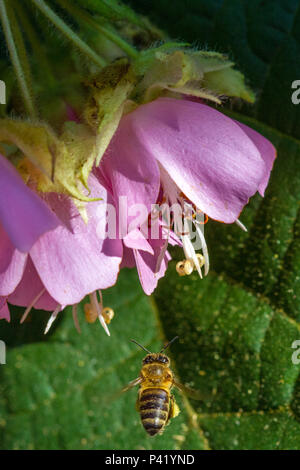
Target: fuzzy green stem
[[68, 32], [115, 38], [36, 44], [18, 55], [112, 10], [78, 13]]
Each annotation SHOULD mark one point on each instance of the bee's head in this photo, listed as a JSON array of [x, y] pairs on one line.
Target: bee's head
[[156, 359], [159, 358]]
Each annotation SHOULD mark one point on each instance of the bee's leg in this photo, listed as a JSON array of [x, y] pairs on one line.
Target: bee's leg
[[174, 409]]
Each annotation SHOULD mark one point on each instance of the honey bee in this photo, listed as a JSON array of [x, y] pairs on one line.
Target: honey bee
[[155, 403]]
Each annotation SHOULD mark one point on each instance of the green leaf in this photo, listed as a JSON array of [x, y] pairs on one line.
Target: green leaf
[[238, 325], [237, 347], [59, 394]]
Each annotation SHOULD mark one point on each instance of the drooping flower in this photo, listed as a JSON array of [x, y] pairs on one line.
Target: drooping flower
[[66, 264], [168, 70], [197, 157]]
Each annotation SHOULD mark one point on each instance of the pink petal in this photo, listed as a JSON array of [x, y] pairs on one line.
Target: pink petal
[[29, 288], [266, 150], [23, 215], [210, 158], [76, 260], [12, 264], [4, 310], [135, 239], [146, 266], [128, 260], [131, 169]]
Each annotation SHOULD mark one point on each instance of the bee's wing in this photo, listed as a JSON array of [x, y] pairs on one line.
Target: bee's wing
[[190, 392], [118, 393], [131, 384]]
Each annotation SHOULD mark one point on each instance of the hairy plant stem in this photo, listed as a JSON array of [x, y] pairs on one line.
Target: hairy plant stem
[[36, 44], [80, 14], [18, 55], [69, 33]]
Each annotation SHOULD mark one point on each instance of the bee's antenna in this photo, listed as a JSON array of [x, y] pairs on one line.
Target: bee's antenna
[[170, 342], [134, 341]]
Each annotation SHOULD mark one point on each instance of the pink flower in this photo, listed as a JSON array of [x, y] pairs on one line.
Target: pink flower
[[197, 156], [65, 264], [171, 151], [24, 217]]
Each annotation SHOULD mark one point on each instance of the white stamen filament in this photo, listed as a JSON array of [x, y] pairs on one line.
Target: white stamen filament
[[75, 318], [190, 253], [162, 254], [186, 247], [28, 309], [102, 321], [52, 319], [204, 248], [242, 226], [96, 306], [173, 196]]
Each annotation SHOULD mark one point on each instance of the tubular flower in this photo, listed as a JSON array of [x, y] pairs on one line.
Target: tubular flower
[[66, 264], [168, 70], [195, 157]]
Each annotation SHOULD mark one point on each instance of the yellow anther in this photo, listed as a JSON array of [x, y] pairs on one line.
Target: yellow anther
[[200, 259], [180, 268], [188, 266], [185, 267], [108, 314], [90, 314]]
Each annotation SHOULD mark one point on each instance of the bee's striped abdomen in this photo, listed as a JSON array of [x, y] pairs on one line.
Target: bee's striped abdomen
[[154, 409]]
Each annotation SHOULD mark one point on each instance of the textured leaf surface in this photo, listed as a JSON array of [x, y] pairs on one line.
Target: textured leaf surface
[[236, 327], [60, 393]]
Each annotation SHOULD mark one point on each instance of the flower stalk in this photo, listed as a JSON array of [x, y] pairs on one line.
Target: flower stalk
[[79, 14], [37, 47], [69, 33], [18, 55]]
